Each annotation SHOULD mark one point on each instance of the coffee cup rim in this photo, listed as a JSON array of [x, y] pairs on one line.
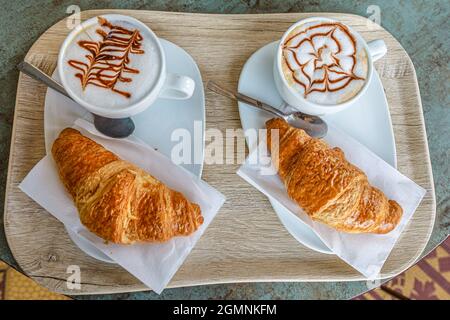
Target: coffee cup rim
[[131, 109], [324, 108]]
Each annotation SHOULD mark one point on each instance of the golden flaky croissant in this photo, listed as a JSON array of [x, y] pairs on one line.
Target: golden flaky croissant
[[329, 188], [116, 200]]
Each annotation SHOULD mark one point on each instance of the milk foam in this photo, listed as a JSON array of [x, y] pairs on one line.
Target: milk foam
[[324, 62], [149, 66]]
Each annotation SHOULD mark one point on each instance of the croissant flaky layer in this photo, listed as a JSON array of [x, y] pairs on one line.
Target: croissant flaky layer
[[328, 187], [117, 200]]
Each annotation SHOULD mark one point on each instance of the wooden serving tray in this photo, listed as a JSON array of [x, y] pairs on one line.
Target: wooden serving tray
[[246, 241]]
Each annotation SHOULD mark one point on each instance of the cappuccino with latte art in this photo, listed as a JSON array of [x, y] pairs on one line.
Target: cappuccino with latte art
[[325, 62]]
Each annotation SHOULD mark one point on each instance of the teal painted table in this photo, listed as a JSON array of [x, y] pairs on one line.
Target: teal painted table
[[420, 27]]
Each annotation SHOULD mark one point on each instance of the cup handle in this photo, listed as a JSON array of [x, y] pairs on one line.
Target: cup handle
[[377, 49], [177, 87]]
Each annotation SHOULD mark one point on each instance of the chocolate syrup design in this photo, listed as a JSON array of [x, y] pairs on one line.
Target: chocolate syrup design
[[322, 70], [108, 59]]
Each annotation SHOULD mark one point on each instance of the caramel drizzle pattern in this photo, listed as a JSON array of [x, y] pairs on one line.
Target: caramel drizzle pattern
[[108, 59], [336, 63]]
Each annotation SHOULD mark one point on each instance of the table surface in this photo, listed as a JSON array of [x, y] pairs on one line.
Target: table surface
[[418, 25]]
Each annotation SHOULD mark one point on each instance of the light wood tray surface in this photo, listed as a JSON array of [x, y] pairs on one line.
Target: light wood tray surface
[[246, 241]]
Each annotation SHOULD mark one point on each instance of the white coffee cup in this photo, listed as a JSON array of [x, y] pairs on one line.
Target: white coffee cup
[[375, 50], [167, 85]]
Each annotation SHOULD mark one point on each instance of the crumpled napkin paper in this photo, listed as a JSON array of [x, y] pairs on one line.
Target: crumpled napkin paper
[[152, 263], [365, 252]]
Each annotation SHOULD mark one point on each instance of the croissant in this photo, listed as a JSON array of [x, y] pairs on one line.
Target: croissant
[[329, 188], [116, 200]]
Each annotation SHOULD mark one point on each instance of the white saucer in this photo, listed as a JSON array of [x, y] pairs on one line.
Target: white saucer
[[368, 121], [153, 126]]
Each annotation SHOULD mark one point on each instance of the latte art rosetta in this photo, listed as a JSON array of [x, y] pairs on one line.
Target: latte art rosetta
[[111, 63], [324, 61], [108, 59]]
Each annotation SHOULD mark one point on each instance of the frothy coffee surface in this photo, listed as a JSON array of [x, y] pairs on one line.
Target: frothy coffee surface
[[112, 64], [325, 62]]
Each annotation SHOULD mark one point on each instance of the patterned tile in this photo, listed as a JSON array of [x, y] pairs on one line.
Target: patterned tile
[[429, 279], [16, 286]]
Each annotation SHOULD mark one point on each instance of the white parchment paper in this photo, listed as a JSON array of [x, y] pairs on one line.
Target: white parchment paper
[[153, 264], [365, 252]]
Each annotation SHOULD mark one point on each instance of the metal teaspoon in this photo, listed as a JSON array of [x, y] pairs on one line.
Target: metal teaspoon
[[313, 125], [115, 128]]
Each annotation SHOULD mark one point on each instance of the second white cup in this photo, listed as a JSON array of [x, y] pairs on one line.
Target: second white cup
[[375, 50], [167, 85]]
